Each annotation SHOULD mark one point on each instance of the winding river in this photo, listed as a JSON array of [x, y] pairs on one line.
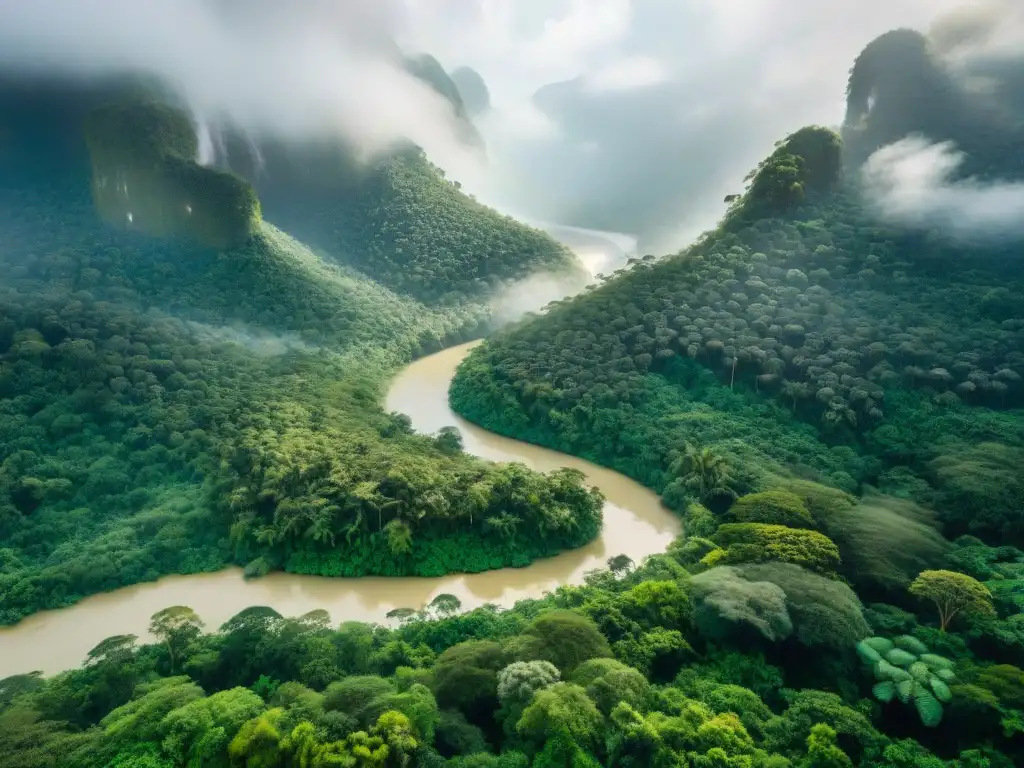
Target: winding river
[[635, 524]]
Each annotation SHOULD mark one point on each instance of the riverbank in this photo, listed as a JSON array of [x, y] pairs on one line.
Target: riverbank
[[635, 524]]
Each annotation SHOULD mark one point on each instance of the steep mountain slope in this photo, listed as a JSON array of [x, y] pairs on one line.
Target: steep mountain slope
[[904, 83], [405, 225], [473, 90], [801, 338], [394, 217], [186, 386]]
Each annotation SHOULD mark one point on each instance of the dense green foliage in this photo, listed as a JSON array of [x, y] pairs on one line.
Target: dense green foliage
[[175, 407], [807, 162], [824, 400], [782, 507], [172, 408], [815, 345], [620, 671], [907, 671], [406, 226]]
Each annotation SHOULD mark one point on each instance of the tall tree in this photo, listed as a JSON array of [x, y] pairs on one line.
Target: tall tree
[[954, 594], [176, 627]]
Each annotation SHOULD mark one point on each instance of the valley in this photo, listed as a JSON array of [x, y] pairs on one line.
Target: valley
[[635, 525], [310, 458]]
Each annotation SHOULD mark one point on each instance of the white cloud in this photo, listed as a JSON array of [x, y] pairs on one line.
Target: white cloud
[[627, 72], [518, 46], [915, 182], [741, 74], [309, 69], [588, 27], [518, 122], [993, 26], [681, 99]]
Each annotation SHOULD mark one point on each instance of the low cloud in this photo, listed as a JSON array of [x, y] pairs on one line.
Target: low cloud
[[599, 253], [983, 43], [702, 90], [304, 70], [914, 182], [627, 73], [258, 341]]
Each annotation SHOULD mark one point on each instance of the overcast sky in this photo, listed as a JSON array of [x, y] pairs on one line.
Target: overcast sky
[[672, 101], [635, 115]]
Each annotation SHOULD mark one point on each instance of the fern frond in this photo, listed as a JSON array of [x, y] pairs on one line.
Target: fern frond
[[901, 674], [936, 662], [941, 690], [920, 672], [911, 644], [880, 644], [867, 653], [900, 658], [928, 707], [884, 691], [884, 670], [905, 689]]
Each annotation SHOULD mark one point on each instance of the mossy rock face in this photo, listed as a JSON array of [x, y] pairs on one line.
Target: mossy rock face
[[145, 177], [775, 507]]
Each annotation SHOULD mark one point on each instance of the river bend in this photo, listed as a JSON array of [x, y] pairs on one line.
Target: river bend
[[635, 524]]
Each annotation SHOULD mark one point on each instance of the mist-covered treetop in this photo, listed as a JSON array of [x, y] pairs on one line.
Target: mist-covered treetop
[[473, 89], [905, 83]]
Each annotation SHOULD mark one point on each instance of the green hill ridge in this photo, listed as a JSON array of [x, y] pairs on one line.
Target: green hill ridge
[[188, 386], [800, 334], [833, 405]]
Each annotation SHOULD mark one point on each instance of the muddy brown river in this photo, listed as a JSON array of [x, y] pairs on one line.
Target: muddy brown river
[[635, 524]]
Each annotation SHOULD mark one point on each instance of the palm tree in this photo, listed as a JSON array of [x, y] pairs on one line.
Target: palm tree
[[320, 525], [620, 564], [705, 472], [367, 494]]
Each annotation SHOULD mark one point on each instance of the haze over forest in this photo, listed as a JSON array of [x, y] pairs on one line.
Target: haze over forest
[[628, 115], [607, 383]]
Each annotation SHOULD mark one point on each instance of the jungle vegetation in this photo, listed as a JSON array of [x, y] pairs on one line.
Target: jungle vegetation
[[834, 407], [669, 663], [831, 405], [194, 387], [402, 223], [801, 339]]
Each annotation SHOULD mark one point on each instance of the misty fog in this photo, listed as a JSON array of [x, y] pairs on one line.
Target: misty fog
[[915, 182], [601, 253], [308, 70], [641, 115], [636, 116]]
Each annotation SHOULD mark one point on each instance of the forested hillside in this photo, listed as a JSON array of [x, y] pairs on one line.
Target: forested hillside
[[406, 226], [820, 395], [803, 338], [184, 386], [834, 406]]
